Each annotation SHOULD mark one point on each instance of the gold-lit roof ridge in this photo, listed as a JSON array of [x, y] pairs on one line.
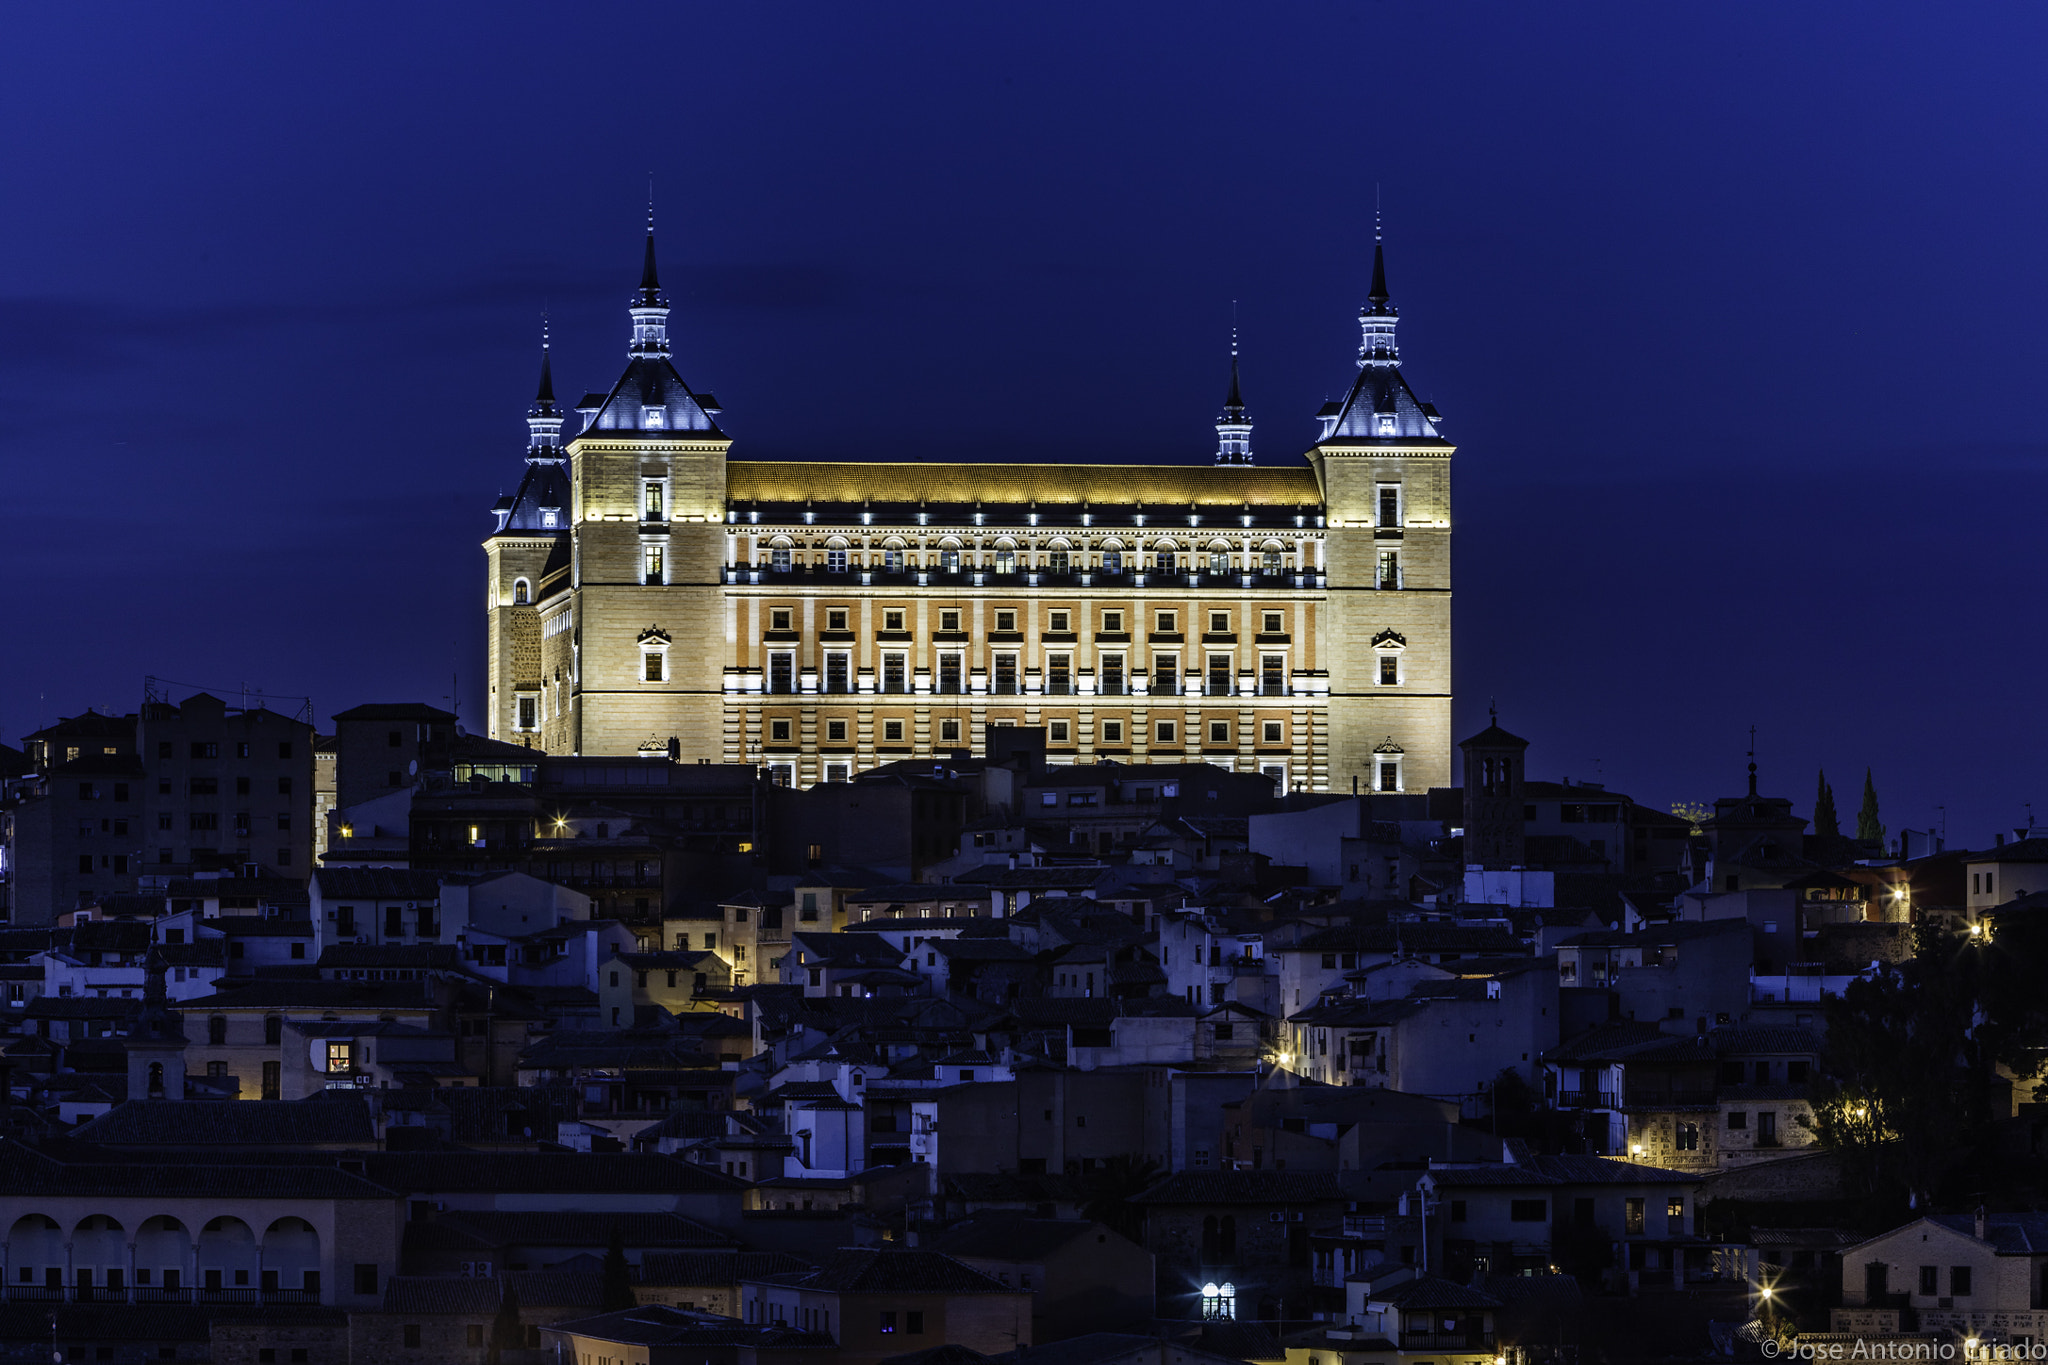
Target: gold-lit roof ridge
[[1052, 484]]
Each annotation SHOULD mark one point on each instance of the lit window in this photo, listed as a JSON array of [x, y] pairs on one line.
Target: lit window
[[522, 593], [652, 569], [1219, 1301], [653, 417], [340, 1056], [651, 502]]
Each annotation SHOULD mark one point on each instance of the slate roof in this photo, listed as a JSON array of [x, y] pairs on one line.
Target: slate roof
[[661, 1325], [716, 1267], [245, 1123], [554, 1172], [1243, 1187], [378, 884], [472, 1295], [563, 1229], [1003, 1236], [1426, 1292], [889, 1270], [27, 1172], [2013, 1234]]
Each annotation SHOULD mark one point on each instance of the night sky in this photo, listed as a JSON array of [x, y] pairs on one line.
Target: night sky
[[1734, 311]]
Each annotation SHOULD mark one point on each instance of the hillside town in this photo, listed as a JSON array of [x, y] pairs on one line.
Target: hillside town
[[402, 1043]]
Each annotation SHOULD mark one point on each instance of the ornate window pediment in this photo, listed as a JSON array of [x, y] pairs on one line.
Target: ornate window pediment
[[1387, 746], [1389, 641], [654, 636]]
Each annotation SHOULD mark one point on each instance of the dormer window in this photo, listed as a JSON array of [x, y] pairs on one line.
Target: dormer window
[[653, 417], [547, 516]]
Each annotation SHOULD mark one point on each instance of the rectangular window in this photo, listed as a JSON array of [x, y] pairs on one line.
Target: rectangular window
[[1389, 570], [782, 672], [1390, 670], [1112, 621], [835, 618], [949, 620], [1390, 505], [1219, 675], [838, 671], [1632, 1216], [1219, 732], [1528, 1210], [1006, 621], [949, 732], [1269, 732], [835, 560], [1059, 674], [1930, 1280], [1165, 674], [1006, 675], [1112, 732], [203, 821], [1168, 732], [1273, 675], [1112, 678], [1163, 623], [888, 1320], [895, 672], [892, 732], [650, 503], [952, 674], [1674, 1207], [1057, 622], [339, 1056], [1959, 1281], [1737, 1120], [1389, 776], [653, 671], [366, 1279], [205, 749], [779, 731], [835, 732], [1056, 732], [652, 558], [781, 618], [1274, 623], [913, 1322], [892, 618], [528, 712]]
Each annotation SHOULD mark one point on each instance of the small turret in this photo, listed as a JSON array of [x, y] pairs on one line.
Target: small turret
[[544, 418], [1377, 319]]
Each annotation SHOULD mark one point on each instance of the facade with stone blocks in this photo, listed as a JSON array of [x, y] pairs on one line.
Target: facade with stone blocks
[[648, 594]]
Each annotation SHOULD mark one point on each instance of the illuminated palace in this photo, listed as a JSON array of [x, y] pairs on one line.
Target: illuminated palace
[[820, 618]]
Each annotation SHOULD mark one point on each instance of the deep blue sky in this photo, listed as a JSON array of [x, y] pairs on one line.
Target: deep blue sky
[[1734, 311]]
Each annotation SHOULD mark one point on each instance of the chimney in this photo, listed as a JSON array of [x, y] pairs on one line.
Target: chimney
[[1980, 1223]]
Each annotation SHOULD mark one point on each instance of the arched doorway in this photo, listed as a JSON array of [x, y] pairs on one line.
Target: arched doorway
[[227, 1257], [99, 1258], [291, 1257], [35, 1255], [163, 1258]]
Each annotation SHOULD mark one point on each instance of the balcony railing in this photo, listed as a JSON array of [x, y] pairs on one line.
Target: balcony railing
[[1446, 1341], [1585, 1099]]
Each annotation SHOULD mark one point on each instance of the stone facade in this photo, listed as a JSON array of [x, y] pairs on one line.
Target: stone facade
[[820, 619]]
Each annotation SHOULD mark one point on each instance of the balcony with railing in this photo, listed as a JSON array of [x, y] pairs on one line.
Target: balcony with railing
[[1585, 1099]]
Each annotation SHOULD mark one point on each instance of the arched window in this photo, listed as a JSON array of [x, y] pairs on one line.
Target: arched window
[[892, 555], [778, 554], [949, 556], [1056, 560], [1219, 1301], [1219, 557], [835, 555], [1006, 556], [522, 592], [156, 1079]]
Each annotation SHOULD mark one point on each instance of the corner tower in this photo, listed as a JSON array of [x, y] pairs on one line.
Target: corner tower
[[635, 638], [1385, 476], [528, 554]]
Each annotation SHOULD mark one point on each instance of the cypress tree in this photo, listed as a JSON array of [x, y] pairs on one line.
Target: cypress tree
[[1868, 827], [616, 1290], [1825, 821]]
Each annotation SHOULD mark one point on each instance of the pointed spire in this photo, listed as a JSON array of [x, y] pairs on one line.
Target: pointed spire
[[544, 418], [1234, 428], [1377, 319], [650, 278], [545, 395], [650, 307]]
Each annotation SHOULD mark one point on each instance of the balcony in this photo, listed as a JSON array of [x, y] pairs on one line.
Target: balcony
[[1457, 1340], [1585, 1099]]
